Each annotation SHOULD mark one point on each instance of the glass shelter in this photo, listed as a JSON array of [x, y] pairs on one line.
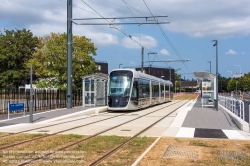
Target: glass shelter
[[94, 89], [208, 88]]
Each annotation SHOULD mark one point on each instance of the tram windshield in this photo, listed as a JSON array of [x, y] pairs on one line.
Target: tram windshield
[[120, 83]]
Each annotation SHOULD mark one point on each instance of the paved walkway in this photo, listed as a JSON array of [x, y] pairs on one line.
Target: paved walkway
[[39, 116], [197, 122]]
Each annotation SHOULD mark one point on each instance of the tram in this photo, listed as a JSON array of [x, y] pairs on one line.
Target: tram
[[129, 89]]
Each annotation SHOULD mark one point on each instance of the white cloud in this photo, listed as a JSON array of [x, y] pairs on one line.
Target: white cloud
[[243, 53], [231, 52], [132, 63], [103, 39], [199, 19], [146, 41], [164, 52]]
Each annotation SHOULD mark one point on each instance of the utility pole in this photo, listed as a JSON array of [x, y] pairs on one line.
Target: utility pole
[[169, 73], [31, 96], [142, 58], [150, 65], [69, 54]]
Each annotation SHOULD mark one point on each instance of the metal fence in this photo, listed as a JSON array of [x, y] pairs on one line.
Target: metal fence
[[42, 99], [236, 106]]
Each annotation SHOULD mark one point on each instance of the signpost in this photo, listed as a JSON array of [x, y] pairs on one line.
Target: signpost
[[15, 107]]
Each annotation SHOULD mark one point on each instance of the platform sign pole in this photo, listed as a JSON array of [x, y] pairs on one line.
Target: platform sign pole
[[8, 110], [23, 110], [31, 99]]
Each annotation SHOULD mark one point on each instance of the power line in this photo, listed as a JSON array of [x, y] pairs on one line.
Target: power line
[[80, 8], [115, 26], [164, 34], [135, 19]]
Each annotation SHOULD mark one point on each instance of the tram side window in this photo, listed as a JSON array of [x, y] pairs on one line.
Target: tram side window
[[162, 90], [143, 88], [155, 89]]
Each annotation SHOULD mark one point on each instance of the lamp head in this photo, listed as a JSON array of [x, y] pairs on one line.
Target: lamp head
[[215, 44]]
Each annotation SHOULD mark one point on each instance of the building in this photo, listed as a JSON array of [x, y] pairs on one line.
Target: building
[[190, 86], [160, 72], [236, 75], [102, 66]]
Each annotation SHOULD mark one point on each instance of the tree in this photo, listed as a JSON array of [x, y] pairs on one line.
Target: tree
[[222, 83], [16, 48], [50, 60]]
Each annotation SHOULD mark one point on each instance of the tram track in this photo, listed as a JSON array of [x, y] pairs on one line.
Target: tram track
[[46, 136], [103, 131], [132, 138]]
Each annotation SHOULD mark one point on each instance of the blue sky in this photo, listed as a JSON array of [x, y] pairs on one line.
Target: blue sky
[[193, 24]]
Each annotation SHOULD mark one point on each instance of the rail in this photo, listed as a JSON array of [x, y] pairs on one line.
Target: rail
[[236, 106]]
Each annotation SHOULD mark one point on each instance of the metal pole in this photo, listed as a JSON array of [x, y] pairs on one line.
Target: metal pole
[[210, 65], [217, 80], [142, 58], [31, 98], [175, 86], [236, 87], [180, 84], [169, 73], [69, 54], [240, 70]]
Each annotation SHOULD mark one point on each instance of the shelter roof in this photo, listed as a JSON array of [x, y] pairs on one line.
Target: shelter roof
[[100, 76], [204, 75]]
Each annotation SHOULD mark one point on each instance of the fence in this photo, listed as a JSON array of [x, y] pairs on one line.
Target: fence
[[42, 99], [236, 106]]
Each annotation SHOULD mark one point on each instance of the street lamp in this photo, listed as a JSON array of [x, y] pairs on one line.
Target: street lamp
[[240, 68], [175, 87], [180, 84], [216, 44], [236, 87], [210, 65], [231, 74], [120, 65]]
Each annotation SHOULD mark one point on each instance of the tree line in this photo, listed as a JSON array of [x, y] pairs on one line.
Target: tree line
[[48, 56]]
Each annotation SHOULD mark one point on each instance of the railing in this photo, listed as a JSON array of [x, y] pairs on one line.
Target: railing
[[236, 106], [42, 99]]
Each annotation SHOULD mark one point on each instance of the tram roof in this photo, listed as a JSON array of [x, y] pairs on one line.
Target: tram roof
[[143, 75], [204, 75]]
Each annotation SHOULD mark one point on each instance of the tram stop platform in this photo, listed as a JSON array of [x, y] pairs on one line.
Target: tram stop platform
[[47, 116], [206, 122], [191, 121]]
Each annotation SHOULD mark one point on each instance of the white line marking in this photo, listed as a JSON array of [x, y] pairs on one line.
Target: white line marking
[[14, 126], [233, 134], [186, 132]]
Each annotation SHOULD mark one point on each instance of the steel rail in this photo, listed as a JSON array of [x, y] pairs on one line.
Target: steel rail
[[29, 140], [130, 139], [84, 139]]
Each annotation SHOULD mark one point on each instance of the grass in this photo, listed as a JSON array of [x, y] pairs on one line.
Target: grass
[[86, 152], [198, 143], [185, 97], [210, 152]]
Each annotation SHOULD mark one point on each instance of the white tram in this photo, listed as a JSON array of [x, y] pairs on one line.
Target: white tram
[[129, 89]]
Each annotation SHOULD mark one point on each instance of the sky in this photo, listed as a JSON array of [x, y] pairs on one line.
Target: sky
[[190, 27]]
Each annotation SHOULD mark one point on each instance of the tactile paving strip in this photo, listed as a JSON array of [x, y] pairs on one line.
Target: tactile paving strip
[[182, 152]]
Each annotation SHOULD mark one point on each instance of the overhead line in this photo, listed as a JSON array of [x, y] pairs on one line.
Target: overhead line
[[116, 18], [164, 34], [114, 25]]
